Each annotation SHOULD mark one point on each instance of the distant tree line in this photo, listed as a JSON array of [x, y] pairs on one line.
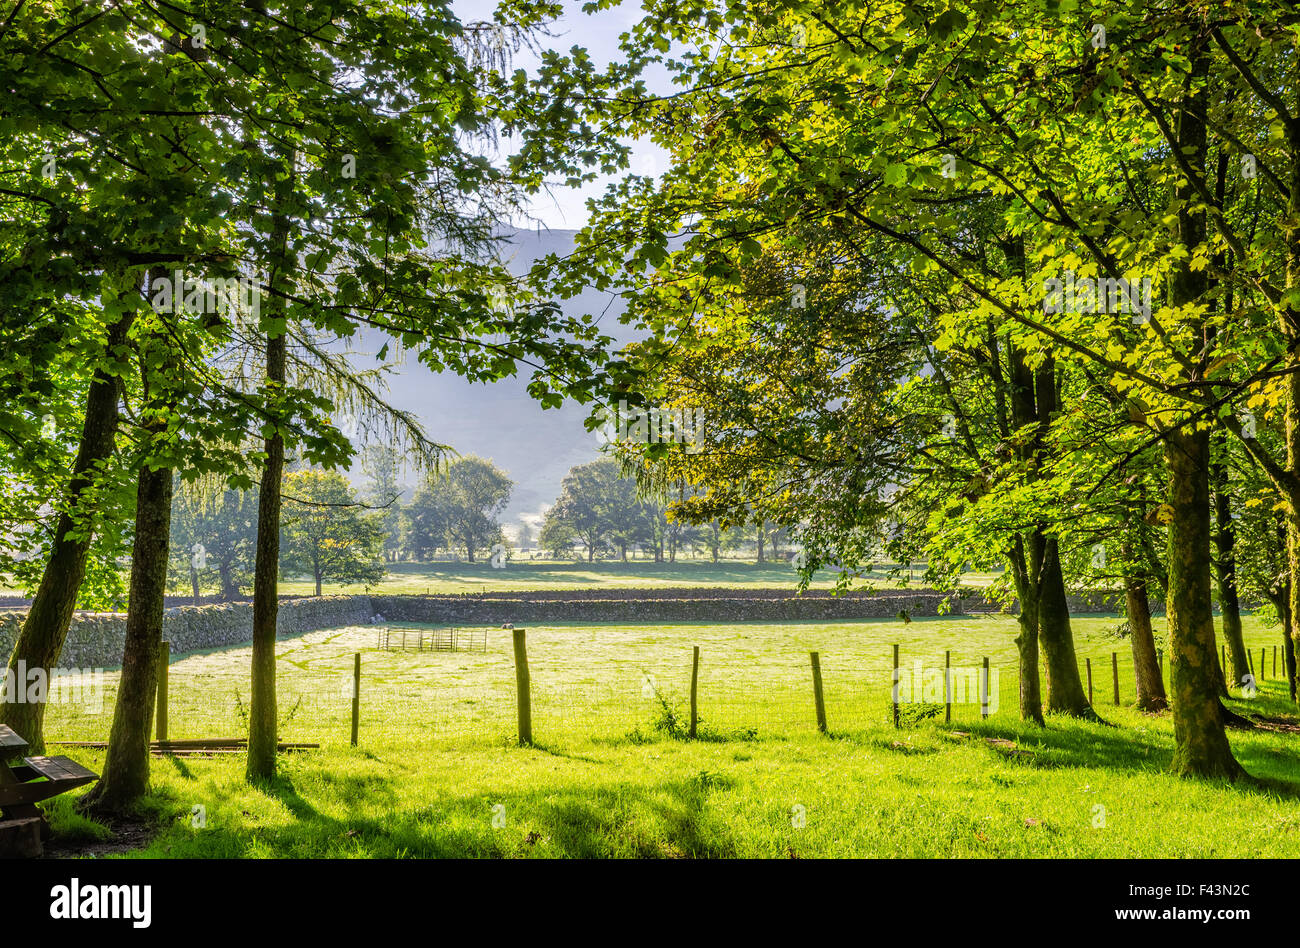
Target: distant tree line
[[334, 532], [331, 531]]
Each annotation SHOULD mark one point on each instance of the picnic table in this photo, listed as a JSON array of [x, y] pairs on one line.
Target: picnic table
[[23, 827]]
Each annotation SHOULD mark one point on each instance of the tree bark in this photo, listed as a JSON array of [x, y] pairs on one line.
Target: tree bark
[[1288, 643], [126, 766], [262, 716], [1065, 691], [40, 641], [1201, 744], [1024, 564], [1226, 569], [1150, 685]]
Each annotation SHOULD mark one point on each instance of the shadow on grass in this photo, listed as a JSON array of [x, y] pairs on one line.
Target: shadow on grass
[[1069, 743], [666, 820]]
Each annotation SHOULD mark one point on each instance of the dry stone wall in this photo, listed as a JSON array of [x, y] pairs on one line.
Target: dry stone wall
[[95, 639]]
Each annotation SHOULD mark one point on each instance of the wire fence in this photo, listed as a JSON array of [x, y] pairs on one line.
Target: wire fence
[[590, 683]]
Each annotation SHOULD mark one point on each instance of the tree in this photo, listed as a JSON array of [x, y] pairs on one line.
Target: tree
[[591, 508], [460, 506], [981, 154], [326, 535], [381, 464], [213, 537]]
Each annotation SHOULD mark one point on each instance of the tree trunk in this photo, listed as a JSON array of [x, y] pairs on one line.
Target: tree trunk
[[1201, 743], [229, 590], [40, 641], [1288, 642], [1146, 667], [126, 766], [1229, 604], [1065, 691], [262, 717], [318, 583], [1031, 695]]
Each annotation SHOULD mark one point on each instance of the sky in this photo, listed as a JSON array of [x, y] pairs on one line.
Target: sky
[[598, 33], [500, 421]]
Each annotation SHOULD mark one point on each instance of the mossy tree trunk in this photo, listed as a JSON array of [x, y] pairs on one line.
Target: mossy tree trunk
[[40, 641], [1226, 577], [1033, 401], [1288, 644], [1025, 561], [1201, 743], [1150, 685], [126, 766], [1065, 690], [263, 718]]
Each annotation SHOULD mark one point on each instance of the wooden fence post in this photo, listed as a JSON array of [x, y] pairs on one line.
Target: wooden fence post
[[947, 686], [984, 698], [695, 689], [356, 696], [1114, 674], [1088, 662], [894, 690], [1261, 661], [523, 689], [164, 661], [1274, 661], [817, 692], [1250, 660]]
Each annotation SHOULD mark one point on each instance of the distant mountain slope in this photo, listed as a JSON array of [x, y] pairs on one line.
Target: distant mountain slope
[[501, 421]]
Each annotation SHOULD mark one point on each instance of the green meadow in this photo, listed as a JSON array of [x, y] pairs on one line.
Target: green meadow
[[438, 770]]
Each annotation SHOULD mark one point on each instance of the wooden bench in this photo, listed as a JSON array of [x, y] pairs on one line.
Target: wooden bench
[[60, 774], [24, 785]]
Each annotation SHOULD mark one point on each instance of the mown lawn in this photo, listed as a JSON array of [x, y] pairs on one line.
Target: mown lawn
[[437, 772]]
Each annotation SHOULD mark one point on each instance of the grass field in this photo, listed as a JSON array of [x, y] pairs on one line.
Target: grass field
[[437, 772], [540, 575], [519, 575]]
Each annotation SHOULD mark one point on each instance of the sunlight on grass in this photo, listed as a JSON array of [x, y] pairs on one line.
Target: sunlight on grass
[[437, 753]]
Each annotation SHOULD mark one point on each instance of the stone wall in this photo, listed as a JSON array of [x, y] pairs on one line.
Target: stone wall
[[1107, 601], [619, 607], [95, 639]]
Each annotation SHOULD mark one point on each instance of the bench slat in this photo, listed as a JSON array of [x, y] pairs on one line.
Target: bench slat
[[11, 745], [61, 769]]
